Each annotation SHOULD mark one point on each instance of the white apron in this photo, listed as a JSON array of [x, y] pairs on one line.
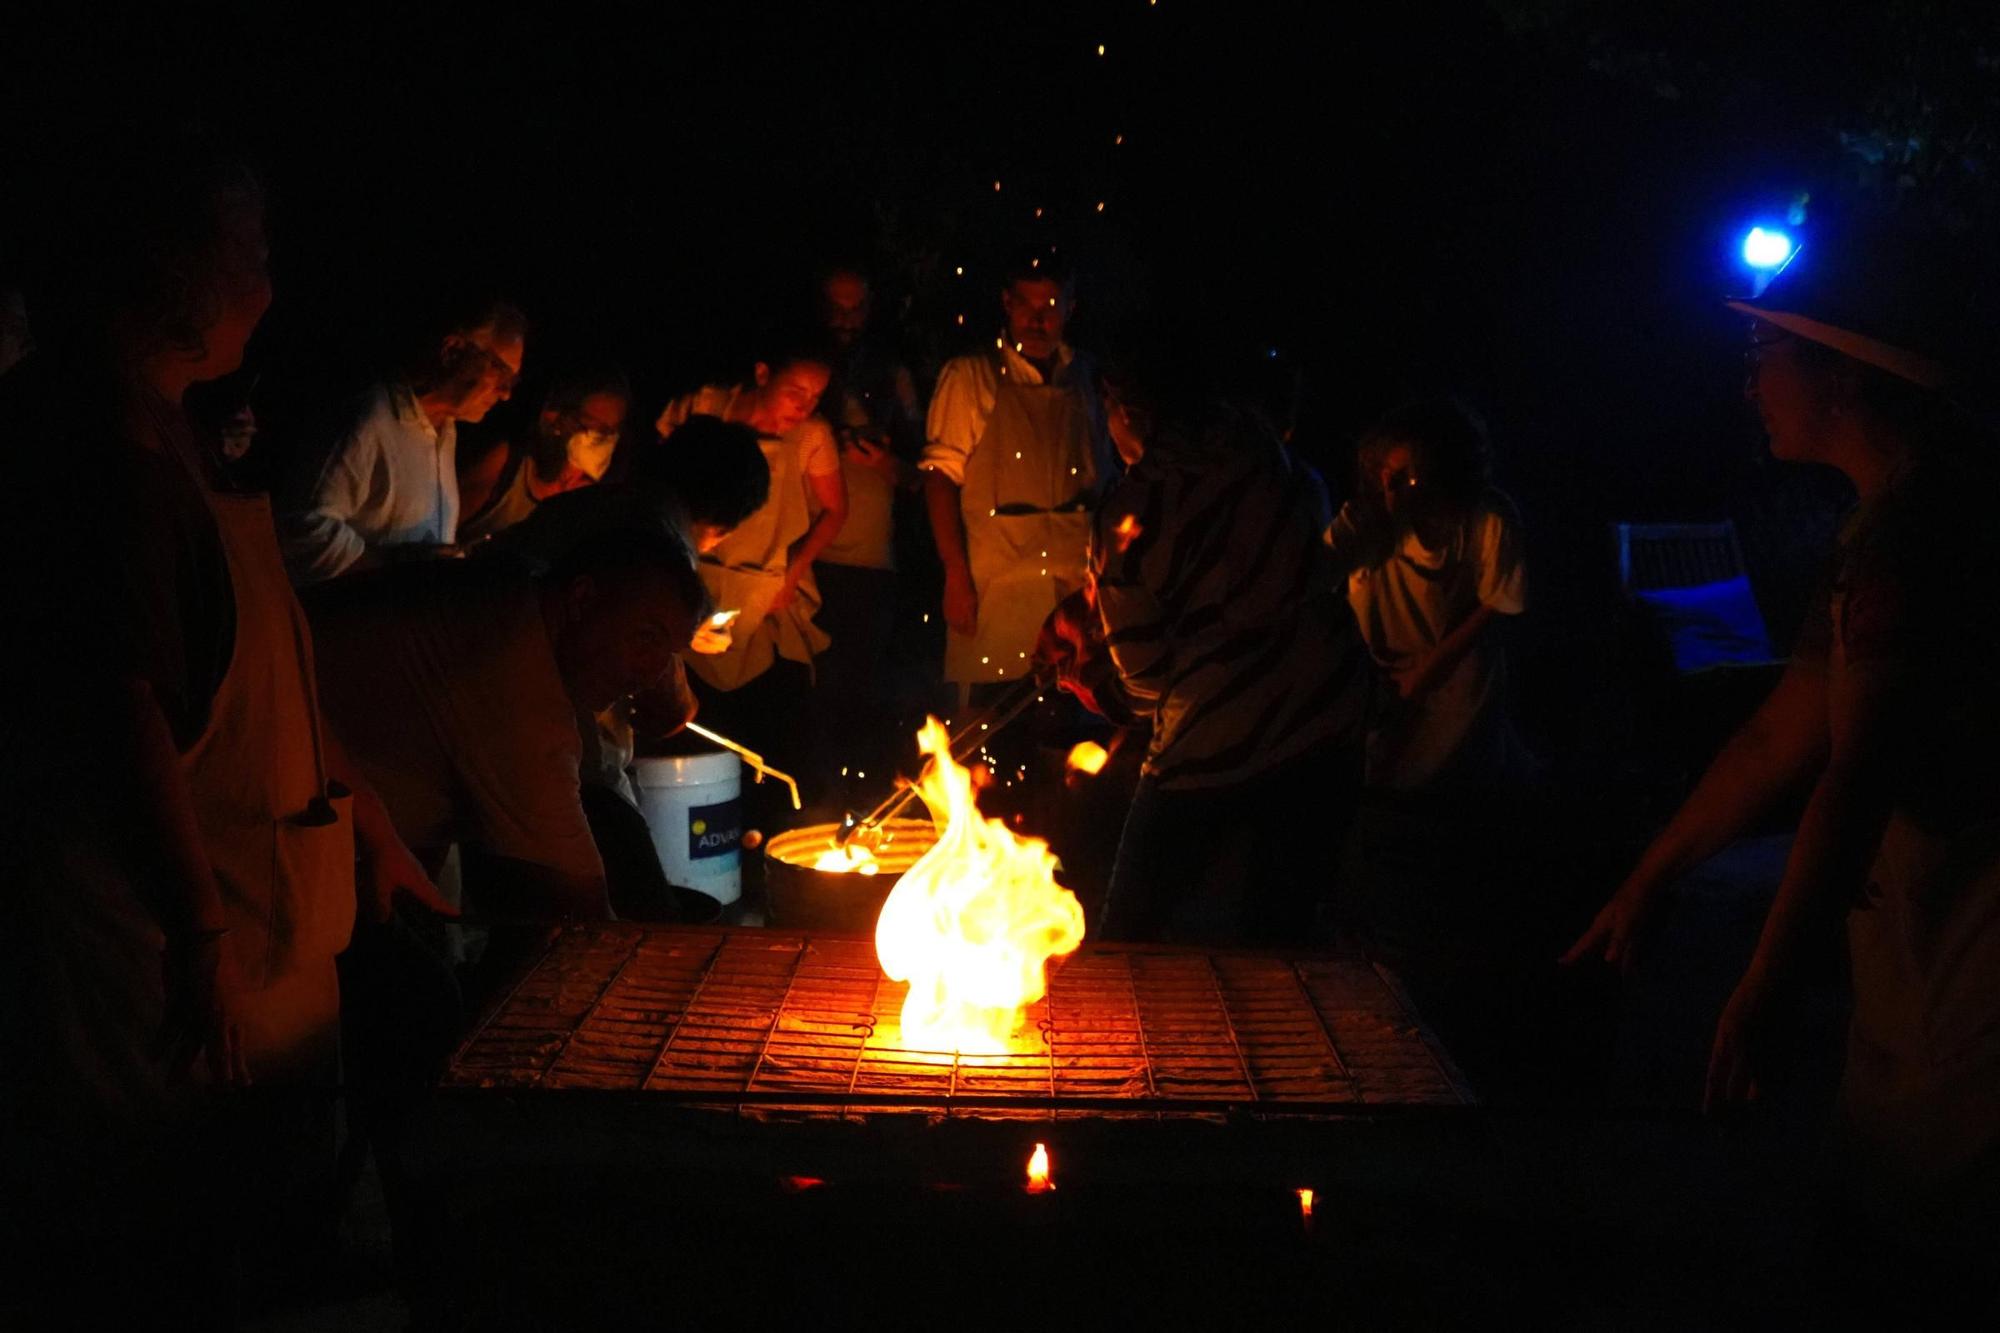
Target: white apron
[[279, 836], [1026, 505], [745, 572], [1920, 1093]]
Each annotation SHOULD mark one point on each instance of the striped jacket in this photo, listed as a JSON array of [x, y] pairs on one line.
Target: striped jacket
[[1220, 610]]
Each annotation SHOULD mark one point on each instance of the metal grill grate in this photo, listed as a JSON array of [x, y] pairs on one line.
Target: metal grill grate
[[785, 1023]]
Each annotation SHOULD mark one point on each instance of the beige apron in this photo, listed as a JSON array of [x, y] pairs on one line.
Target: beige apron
[[278, 835], [1920, 1093], [1026, 504], [745, 572]]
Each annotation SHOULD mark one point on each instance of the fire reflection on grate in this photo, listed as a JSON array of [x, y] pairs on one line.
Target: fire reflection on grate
[[785, 1024]]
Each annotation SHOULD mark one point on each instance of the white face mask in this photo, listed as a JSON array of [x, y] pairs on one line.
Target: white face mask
[[590, 452]]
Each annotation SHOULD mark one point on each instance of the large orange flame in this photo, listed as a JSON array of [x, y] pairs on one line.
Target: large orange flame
[[971, 926]]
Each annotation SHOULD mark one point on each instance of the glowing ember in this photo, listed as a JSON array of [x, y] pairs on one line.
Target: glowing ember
[[853, 857], [1038, 1170], [971, 926], [1088, 757]]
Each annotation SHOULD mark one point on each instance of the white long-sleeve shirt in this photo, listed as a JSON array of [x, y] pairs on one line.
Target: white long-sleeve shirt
[[966, 390], [389, 478]]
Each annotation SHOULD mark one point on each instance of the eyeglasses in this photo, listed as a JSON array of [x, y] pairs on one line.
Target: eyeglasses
[[1753, 355], [507, 375]]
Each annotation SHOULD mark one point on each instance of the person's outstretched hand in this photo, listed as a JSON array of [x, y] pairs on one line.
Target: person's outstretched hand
[[711, 639], [1616, 929], [387, 868], [1733, 1061], [205, 1002]]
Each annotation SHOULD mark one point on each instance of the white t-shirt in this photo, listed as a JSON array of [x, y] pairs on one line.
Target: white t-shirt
[[1406, 605]]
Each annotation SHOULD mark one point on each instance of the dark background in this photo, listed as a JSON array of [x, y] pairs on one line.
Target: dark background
[[1532, 202]]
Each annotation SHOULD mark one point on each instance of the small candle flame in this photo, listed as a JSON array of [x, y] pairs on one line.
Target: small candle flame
[[1305, 1205], [1038, 1170]]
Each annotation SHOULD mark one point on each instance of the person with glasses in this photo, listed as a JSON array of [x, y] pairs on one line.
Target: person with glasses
[[567, 445], [383, 485], [1867, 356]]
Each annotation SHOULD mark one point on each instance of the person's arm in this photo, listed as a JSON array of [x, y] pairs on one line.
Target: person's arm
[[961, 603], [385, 866], [1421, 678], [1128, 605], [1831, 853], [206, 996], [829, 489], [319, 539], [960, 405], [1770, 755], [522, 774], [478, 477], [1354, 537]]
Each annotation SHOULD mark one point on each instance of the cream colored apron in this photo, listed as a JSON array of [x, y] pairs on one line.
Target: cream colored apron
[[278, 835], [1920, 1093], [744, 573], [1026, 505]]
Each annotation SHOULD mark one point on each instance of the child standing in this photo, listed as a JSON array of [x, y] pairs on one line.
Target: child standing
[[1433, 555]]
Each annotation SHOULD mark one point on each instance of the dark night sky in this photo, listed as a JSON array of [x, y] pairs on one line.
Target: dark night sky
[[1408, 196]]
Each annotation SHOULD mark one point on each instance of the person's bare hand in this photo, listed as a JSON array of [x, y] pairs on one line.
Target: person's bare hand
[[205, 1003], [1615, 930], [386, 869], [711, 639], [1733, 1060], [788, 592], [961, 603]]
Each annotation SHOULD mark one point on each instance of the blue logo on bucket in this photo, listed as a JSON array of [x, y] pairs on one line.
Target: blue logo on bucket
[[714, 830]]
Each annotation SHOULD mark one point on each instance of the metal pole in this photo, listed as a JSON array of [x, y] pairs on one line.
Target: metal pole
[[982, 728]]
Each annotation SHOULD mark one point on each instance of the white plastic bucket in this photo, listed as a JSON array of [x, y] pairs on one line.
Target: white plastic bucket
[[691, 804]]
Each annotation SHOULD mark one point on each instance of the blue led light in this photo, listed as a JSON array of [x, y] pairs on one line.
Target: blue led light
[[1765, 249]]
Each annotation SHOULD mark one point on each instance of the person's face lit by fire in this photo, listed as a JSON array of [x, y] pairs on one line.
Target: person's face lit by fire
[[1792, 395], [1126, 428], [619, 637], [1399, 482], [492, 365], [707, 536], [589, 431], [787, 396], [844, 307], [1036, 309]]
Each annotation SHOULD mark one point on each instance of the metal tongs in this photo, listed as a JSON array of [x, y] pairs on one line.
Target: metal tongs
[[752, 758], [976, 732]]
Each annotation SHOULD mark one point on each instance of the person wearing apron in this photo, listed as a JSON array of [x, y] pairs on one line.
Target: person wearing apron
[[186, 875], [1016, 456], [757, 690], [279, 832]]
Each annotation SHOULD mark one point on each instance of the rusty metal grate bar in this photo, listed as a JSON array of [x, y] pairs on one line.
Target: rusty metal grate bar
[[788, 1023]]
